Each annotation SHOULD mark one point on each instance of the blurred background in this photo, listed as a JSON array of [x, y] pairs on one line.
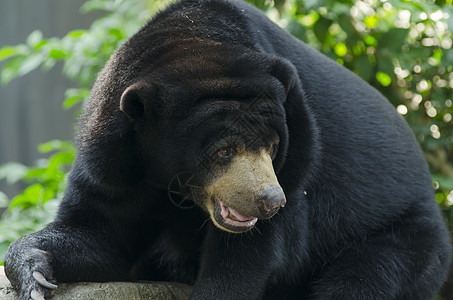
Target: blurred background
[[51, 52], [31, 111]]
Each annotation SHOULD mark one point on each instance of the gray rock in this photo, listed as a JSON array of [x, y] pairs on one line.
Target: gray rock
[[108, 290]]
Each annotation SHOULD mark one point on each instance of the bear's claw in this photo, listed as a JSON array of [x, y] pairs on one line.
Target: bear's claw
[[43, 281], [35, 295]]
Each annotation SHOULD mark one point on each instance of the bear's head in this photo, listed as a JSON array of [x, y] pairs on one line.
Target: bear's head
[[208, 117]]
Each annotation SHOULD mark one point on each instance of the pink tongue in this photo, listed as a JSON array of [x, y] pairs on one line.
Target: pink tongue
[[227, 210]]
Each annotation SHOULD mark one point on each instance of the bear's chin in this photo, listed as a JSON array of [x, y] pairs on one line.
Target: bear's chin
[[229, 219]]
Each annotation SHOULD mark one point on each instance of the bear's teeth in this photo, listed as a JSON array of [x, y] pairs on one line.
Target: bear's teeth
[[233, 217]]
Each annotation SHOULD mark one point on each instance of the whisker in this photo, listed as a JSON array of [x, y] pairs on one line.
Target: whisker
[[192, 186], [202, 225], [258, 230]]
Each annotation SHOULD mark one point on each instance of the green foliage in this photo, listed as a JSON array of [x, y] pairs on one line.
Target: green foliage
[[403, 48], [35, 206], [19, 222], [47, 179]]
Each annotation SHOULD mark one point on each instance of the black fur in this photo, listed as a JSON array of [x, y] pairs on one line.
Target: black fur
[[360, 222]]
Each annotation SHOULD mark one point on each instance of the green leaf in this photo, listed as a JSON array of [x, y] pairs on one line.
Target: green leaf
[[341, 49], [20, 66], [11, 68], [31, 196], [9, 51], [118, 34], [321, 28], [383, 78], [393, 39], [34, 39], [56, 145], [35, 174], [364, 67], [437, 54], [30, 63], [371, 21], [370, 40], [75, 96], [48, 64], [344, 20], [41, 44], [75, 34], [309, 20], [357, 50], [57, 54]]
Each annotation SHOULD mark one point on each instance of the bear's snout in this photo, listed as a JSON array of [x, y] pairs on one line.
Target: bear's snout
[[247, 191]]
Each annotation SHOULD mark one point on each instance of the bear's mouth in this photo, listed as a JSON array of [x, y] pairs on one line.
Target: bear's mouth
[[230, 219]]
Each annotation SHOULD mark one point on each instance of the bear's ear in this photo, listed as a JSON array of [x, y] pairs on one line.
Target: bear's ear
[[286, 73], [136, 101]]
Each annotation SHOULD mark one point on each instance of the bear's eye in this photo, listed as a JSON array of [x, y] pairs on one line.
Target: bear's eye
[[273, 151], [225, 153]]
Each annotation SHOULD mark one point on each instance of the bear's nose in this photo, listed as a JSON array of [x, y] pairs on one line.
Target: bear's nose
[[271, 201]]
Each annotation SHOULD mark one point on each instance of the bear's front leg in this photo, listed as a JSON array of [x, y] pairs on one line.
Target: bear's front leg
[[59, 253], [235, 266]]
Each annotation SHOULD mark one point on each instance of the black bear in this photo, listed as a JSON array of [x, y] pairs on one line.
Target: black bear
[[306, 182]]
